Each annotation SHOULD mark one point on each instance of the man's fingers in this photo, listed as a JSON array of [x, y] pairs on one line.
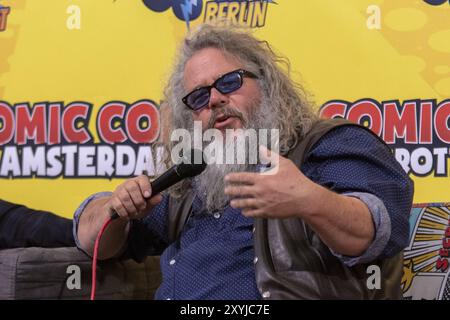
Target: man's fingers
[[244, 203], [241, 178], [135, 193], [253, 213], [144, 184], [240, 191], [128, 203], [117, 206], [122, 202], [133, 198]]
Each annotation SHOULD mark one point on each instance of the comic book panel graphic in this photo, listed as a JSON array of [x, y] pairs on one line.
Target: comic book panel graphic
[[426, 259]]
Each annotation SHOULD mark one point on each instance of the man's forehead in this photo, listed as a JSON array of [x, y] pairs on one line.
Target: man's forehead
[[205, 66]]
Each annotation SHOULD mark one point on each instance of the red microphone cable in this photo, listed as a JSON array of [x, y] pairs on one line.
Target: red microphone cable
[[95, 255], [170, 177]]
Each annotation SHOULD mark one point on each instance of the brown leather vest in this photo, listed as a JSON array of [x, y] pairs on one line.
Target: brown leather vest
[[293, 262]]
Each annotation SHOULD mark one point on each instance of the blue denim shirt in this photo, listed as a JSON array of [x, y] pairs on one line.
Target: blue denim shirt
[[214, 257]]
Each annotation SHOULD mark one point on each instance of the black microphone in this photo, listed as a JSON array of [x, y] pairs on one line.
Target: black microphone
[[189, 167]]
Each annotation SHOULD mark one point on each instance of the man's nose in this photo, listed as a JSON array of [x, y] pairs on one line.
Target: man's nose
[[217, 99]]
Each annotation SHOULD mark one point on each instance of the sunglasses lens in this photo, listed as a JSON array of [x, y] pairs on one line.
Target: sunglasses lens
[[198, 99], [229, 82]]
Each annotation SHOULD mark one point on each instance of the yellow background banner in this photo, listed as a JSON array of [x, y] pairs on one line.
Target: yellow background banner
[[117, 50]]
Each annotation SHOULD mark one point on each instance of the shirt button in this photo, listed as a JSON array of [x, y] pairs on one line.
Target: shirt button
[[172, 262], [217, 215], [266, 294], [255, 260]]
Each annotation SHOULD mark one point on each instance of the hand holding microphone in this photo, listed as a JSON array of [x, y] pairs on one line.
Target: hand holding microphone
[[135, 197]]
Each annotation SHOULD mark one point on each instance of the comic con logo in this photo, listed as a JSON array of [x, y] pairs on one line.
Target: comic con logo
[[56, 139], [417, 130], [4, 11], [436, 2], [244, 12]]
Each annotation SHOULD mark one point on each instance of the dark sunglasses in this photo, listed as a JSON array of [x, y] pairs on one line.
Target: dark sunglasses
[[230, 82]]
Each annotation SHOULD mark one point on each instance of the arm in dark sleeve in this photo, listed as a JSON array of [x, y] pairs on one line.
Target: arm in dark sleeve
[[351, 160], [24, 227]]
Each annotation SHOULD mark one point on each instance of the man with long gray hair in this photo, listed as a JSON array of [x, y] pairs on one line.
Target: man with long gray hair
[[332, 203]]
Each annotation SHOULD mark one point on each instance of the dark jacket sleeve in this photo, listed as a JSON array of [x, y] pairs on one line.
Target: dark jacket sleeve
[[24, 227]]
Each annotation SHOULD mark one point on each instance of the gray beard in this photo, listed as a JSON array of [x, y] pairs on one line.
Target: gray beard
[[209, 186]]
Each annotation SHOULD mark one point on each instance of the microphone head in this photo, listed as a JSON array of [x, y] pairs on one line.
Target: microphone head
[[192, 164]]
